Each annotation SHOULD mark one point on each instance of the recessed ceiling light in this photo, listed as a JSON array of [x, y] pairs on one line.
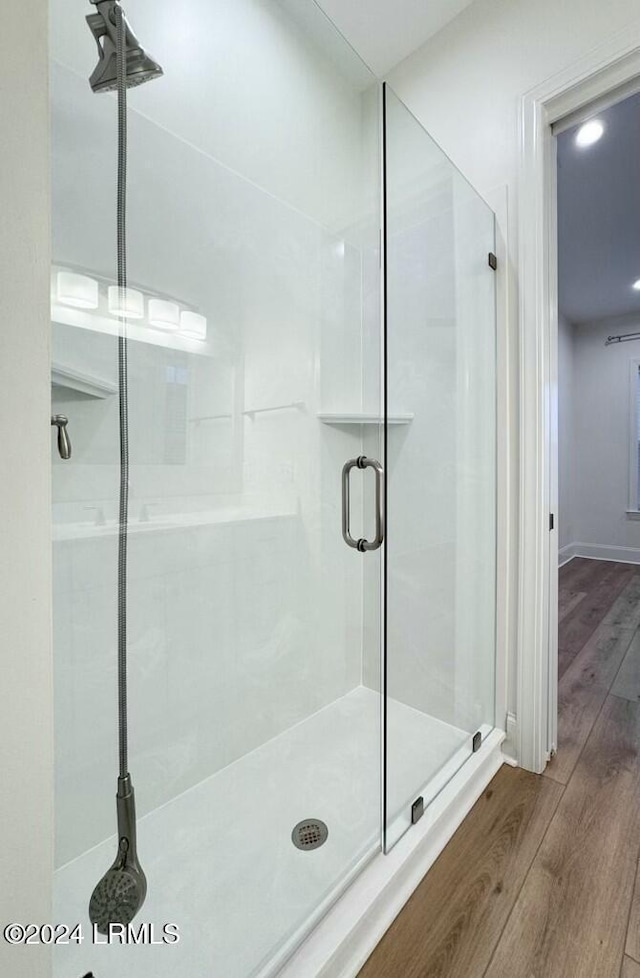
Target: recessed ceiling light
[[636, 285], [590, 133]]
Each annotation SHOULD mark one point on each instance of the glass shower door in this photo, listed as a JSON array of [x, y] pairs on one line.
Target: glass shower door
[[440, 462], [254, 366]]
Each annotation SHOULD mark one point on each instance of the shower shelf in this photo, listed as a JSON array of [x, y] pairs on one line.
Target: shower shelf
[[76, 380], [357, 418]]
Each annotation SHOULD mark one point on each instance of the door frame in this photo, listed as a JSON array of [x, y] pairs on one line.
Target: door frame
[[601, 78], [26, 693]]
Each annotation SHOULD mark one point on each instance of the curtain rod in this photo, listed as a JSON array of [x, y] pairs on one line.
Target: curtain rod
[[621, 338]]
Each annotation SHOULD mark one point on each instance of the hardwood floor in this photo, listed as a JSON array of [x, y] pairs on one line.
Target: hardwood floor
[[472, 887], [580, 624], [541, 880], [630, 969], [570, 919]]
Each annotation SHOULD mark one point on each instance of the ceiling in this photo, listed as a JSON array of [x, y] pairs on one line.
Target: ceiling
[[599, 218], [385, 33]]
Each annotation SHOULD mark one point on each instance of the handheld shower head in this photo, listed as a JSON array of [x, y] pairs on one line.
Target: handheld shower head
[[140, 66], [119, 895]]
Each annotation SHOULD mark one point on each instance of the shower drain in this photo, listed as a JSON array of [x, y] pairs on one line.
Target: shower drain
[[309, 834]]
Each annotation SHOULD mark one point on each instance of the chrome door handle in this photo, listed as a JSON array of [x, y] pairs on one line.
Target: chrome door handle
[[362, 462]]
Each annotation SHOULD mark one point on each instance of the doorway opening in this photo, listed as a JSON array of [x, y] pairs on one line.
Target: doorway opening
[[598, 413], [601, 79]]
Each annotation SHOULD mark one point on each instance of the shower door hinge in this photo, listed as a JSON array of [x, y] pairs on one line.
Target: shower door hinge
[[477, 740], [493, 261], [417, 810]]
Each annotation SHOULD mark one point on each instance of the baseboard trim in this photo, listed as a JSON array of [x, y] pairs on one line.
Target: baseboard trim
[[565, 554], [597, 551], [509, 748], [344, 939]]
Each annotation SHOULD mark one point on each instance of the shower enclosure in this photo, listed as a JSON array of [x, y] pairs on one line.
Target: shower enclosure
[[311, 286]]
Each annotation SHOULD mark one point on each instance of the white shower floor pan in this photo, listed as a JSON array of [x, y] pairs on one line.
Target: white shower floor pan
[[219, 859]]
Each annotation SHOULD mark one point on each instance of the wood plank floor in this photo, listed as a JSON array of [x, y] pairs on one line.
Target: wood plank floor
[[541, 880]]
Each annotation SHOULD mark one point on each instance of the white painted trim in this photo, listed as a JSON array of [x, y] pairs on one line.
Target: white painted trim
[[566, 554], [634, 366], [605, 70], [597, 106], [599, 551], [341, 943], [26, 688], [615, 63], [510, 745], [552, 408], [533, 593]]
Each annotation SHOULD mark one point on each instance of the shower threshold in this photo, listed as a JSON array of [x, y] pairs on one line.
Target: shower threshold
[[221, 864]]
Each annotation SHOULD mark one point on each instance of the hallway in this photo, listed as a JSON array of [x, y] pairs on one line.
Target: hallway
[[540, 880]]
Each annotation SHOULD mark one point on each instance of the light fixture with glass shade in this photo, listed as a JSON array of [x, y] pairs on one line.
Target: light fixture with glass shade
[[164, 314], [193, 324], [79, 291], [125, 302], [147, 313], [636, 285]]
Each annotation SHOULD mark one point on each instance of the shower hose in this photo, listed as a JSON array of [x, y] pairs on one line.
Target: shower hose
[[123, 391], [120, 893]]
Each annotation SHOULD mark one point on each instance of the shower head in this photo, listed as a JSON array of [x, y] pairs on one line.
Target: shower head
[[140, 66], [116, 899], [119, 895]]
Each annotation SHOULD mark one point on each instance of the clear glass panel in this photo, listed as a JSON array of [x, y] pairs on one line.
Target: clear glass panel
[[253, 630], [440, 458]]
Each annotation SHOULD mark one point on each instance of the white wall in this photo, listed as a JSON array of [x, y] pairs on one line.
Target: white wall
[[26, 763], [566, 477], [601, 436], [465, 86]]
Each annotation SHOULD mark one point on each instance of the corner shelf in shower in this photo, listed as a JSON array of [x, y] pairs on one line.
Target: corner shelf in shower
[[82, 383], [362, 418]]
